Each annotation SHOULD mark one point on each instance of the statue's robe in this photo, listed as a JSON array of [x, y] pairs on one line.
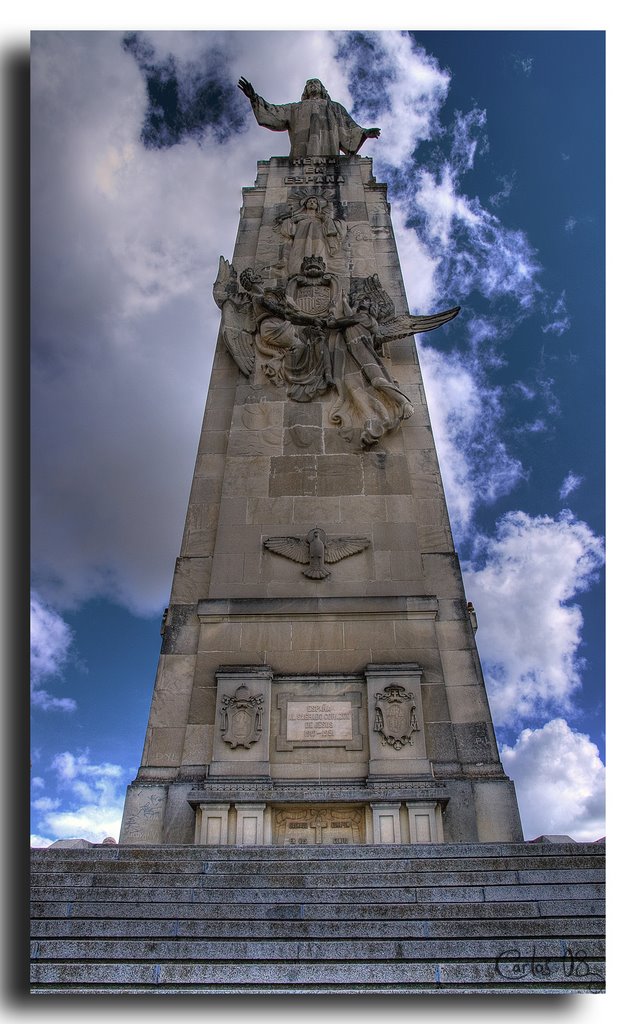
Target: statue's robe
[[316, 126]]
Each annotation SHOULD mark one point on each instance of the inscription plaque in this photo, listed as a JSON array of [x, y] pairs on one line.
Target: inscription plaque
[[319, 720], [313, 721]]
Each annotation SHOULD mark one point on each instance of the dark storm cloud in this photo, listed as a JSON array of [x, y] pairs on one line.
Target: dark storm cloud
[[187, 99]]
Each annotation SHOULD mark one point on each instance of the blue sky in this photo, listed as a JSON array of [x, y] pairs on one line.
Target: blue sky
[[493, 148]]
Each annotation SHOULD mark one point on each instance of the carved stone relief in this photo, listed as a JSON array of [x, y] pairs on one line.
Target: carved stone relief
[[395, 717], [318, 826], [314, 170], [242, 718], [362, 252], [311, 228], [315, 549], [307, 336]]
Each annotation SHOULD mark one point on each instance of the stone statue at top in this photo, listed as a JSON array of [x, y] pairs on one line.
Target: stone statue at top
[[317, 125]]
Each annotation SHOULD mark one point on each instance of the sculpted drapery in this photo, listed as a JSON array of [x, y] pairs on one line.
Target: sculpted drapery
[[317, 126]]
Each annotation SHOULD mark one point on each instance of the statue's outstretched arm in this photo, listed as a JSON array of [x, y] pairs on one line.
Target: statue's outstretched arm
[[274, 116]]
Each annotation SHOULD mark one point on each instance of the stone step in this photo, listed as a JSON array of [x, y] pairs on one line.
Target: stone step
[[294, 950], [544, 975], [313, 867], [318, 911], [314, 929], [310, 879], [386, 852], [291, 949], [207, 920], [363, 894]]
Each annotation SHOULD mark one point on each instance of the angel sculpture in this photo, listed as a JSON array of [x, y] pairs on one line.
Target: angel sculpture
[[378, 313], [368, 323], [237, 320], [306, 335], [315, 549]]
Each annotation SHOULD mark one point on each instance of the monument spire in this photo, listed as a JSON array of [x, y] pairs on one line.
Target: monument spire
[[319, 680]]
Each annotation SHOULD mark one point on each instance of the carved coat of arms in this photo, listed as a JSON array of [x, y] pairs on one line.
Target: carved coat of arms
[[242, 718], [395, 717]]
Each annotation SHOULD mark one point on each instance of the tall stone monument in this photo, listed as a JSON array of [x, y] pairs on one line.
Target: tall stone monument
[[319, 681]]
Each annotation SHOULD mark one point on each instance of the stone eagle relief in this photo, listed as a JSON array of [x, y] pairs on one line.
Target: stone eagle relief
[[315, 549]]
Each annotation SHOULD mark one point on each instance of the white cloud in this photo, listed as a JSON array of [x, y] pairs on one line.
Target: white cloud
[[529, 631], [40, 841], [51, 639], [394, 85], [570, 483], [560, 782], [524, 390], [90, 801], [37, 782], [45, 803], [538, 426], [70, 767], [43, 700], [463, 247], [94, 822], [51, 642], [465, 414]]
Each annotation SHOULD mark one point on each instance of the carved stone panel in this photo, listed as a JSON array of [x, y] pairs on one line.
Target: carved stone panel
[[242, 717], [396, 734], [319, 826], [395, 717], [241, 731]]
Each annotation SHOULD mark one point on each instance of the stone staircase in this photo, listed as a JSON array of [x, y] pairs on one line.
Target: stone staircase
[[174, 920]]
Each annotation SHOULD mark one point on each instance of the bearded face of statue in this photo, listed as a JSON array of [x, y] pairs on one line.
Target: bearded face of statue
[[314, 87]]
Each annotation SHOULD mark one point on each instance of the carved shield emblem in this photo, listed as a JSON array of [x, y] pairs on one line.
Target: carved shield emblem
[[313, 298], [242, 718], [395, 717]]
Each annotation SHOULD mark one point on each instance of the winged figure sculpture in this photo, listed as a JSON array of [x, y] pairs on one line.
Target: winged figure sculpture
[[237, 322], [315, 549], [402, 326], [389, 326]]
